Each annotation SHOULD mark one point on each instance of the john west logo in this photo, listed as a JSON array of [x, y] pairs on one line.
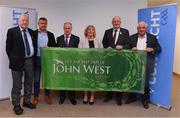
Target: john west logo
[[77, 67]]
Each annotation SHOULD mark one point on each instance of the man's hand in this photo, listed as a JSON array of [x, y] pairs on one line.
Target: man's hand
[[134, 48], [110, 47], [119, 47], [149, 49]]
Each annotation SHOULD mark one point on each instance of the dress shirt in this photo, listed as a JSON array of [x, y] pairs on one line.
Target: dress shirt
[[29, 41], [141, 43], [42, 41]]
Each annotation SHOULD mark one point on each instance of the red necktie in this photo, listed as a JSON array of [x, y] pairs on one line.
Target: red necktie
[[115, 33]]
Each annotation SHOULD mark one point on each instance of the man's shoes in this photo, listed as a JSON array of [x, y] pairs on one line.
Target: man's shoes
[[35, 101], [119, 102], [29, 105], [130, 100], [61, 100], [48, 100], [73, 102], [107, 99], [18, 110], [145, 104]]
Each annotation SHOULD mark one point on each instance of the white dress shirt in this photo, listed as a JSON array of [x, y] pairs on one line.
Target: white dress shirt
[[29, 41], [141, 43], [117, 34], [68, 39]]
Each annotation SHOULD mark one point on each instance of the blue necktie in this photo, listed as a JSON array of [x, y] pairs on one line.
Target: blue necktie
[[26, 43]]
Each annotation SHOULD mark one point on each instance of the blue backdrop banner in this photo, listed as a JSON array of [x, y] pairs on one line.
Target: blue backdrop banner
[[162, 23]]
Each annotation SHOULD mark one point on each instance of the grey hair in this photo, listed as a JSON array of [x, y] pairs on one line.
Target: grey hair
[[24, 15], [116, 17], [143, 22], [68, 23]]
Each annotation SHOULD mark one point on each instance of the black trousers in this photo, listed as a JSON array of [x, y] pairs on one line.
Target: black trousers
[[71, 95], [118, 95], [149, 71], [17, 76]]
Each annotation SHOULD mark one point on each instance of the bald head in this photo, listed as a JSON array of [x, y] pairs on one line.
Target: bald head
[[24, 21], [116, 22]]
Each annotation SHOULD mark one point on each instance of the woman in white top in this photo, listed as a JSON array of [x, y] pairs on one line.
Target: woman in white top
[[89, 41]]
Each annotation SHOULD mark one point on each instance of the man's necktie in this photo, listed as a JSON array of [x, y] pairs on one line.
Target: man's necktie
[[66, 41], [115, 33], [26, 43]]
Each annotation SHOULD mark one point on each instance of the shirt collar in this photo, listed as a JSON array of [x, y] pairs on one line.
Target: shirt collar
[[22, 29], [41, 31], [116, 29], [68, 36], [142, 37]]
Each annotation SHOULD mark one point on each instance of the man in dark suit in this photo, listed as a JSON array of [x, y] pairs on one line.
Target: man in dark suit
[[67, 40], [117, 38], [43, 38], [20, 50], [148, 42]]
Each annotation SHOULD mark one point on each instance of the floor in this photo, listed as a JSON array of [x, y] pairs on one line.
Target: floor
[[99, 109]]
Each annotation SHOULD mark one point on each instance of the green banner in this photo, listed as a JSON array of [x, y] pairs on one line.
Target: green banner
[[93, 69]]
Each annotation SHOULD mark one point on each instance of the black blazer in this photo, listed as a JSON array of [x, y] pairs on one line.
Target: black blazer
[[152, 42], [15, 48], [123, 39], [74, 41], [51, 40]]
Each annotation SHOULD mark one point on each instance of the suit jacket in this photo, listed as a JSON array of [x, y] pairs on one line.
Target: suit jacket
[[73, 42], [85, 43], [152, 42], [123, 38], [51, 40], [15, 48]]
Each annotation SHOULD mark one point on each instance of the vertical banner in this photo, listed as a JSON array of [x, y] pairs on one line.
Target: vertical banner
[[9, 18], [162, 23]]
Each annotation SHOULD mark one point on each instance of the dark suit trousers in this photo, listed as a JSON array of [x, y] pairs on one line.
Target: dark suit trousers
[[37, 78], [109, 95], [71, 95], [149, 70], [17, 82]]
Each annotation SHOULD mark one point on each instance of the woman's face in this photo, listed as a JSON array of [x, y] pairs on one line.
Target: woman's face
[[90, 32]]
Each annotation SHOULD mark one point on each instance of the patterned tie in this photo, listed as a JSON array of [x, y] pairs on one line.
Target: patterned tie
[[26, 43], [115, 33]]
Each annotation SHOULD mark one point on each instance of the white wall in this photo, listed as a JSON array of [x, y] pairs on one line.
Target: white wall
[[83, 12]]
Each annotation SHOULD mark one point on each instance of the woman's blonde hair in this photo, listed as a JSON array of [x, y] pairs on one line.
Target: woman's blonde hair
[[87, 28]]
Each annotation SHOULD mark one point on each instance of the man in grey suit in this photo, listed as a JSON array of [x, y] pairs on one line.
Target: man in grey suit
[[20, 51]]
